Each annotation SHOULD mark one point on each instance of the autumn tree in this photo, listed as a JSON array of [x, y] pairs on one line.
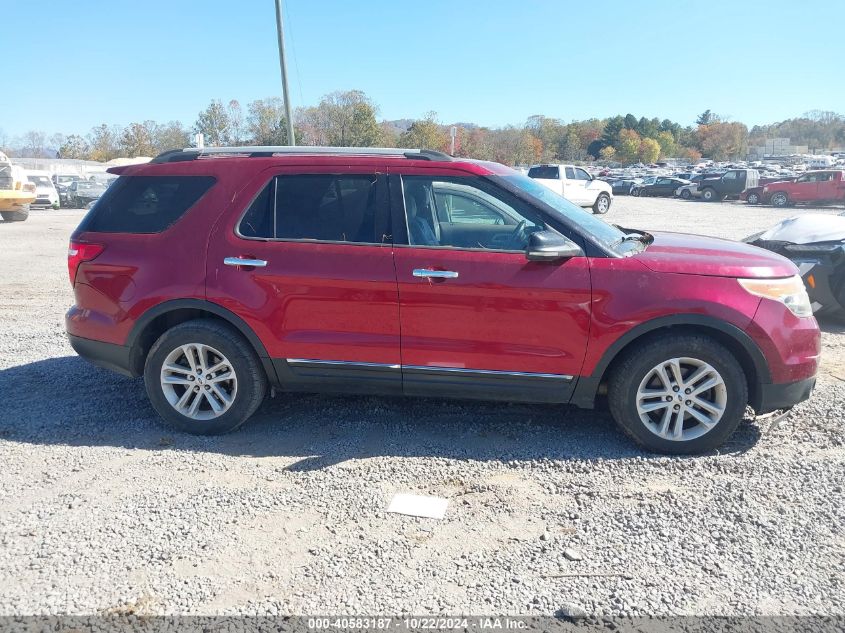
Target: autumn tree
[[425, 133], [628, 148], [668, 147], [649, 150], [722, 141], [266, 123], [103, 143], [607, 153], [139, 139], [343, 119], [171, 135], [214, 123], [74, 146]]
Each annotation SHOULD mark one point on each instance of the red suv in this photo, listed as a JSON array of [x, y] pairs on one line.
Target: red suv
[[219, 273]]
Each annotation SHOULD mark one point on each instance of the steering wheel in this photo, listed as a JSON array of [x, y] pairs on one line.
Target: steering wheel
[[516, 238]]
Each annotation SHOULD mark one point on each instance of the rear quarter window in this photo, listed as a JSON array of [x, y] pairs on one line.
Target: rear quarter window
[[145, 204], [546, 172]]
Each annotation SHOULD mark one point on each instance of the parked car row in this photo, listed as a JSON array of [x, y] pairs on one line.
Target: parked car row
[[819, 187]]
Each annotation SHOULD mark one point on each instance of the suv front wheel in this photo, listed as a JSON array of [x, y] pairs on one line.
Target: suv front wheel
[[204, 378], [678, 394]]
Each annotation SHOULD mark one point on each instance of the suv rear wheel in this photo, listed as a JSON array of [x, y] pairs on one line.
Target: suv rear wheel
[[204, 378], [678, 394]]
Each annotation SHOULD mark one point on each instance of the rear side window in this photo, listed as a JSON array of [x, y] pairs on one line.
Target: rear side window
[[548, 172], [328, 208], [145, 204]]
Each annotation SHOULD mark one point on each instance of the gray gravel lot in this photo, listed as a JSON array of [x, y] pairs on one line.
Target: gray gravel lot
[[104, 510]]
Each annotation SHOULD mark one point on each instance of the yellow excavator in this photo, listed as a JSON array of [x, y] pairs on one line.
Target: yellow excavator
[[16, 192]]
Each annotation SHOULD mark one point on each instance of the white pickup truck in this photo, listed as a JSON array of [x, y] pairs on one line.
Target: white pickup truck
[[574, 184]]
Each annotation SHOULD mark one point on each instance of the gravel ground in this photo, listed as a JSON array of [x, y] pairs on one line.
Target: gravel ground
[[104, 510]]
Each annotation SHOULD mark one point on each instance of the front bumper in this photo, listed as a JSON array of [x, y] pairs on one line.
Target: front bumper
[[781, 396]]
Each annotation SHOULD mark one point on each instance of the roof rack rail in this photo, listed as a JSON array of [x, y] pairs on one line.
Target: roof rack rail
[[258, 151]]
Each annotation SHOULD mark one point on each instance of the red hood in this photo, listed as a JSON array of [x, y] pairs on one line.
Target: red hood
[[696, 255]]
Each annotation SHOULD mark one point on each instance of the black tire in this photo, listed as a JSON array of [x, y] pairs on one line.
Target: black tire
[[635, 193], [780, 199], [709, 195], [251, 378], [636, 365], [753, 198], [16, 216], [685, 194], [597, 206]]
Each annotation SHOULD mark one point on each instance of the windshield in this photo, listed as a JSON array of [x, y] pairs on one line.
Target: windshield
[[605, 234], [89, 185], [41, 181]]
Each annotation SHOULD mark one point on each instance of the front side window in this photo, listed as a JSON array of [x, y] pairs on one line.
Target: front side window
[[466, 212], [321, 207], [570, 173], [580, 174], [731, 175]]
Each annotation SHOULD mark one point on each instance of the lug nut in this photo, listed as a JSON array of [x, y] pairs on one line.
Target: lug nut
[[208, 377], [668, 398], [676, 388], [688, 403], [677, 407], [191, 378], [688, 391], [207, 387], [196, 388]]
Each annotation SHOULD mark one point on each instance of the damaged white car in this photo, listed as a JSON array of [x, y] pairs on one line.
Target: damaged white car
[[816, 244]]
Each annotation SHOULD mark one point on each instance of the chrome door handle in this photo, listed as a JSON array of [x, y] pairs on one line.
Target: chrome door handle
[[437, 274], [242, 261]]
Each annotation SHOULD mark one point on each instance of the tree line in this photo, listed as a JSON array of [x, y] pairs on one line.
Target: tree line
[[350, 119]]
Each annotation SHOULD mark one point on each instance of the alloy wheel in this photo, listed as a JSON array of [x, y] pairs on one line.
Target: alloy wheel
[[681, 399], [198, 381]]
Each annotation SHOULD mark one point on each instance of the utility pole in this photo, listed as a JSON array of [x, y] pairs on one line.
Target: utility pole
[[281, 33]]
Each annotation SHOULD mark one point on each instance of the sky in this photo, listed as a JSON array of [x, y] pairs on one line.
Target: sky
[[492, 62]]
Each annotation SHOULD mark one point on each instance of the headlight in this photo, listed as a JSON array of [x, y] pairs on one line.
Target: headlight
[[790, 292]]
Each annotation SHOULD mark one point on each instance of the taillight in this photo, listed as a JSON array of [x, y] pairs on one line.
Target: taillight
[[79, 252]]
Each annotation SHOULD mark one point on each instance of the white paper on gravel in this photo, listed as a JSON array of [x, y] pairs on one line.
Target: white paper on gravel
[[418, 506]]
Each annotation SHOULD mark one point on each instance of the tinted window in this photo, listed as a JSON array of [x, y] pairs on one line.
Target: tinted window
[[549, 172], [314, 207], [570, 173], [144, 204], [580, 174]]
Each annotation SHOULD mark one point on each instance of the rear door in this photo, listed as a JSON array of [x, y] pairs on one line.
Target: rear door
[[305, 258], [480, 320], [827, 185]]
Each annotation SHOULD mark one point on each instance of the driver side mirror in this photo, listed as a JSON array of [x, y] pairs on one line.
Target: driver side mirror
[[548, 246]]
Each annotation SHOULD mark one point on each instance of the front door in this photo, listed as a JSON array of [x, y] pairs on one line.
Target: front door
[[576, 185], [477, 318], [804, 189], [306, 260]]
